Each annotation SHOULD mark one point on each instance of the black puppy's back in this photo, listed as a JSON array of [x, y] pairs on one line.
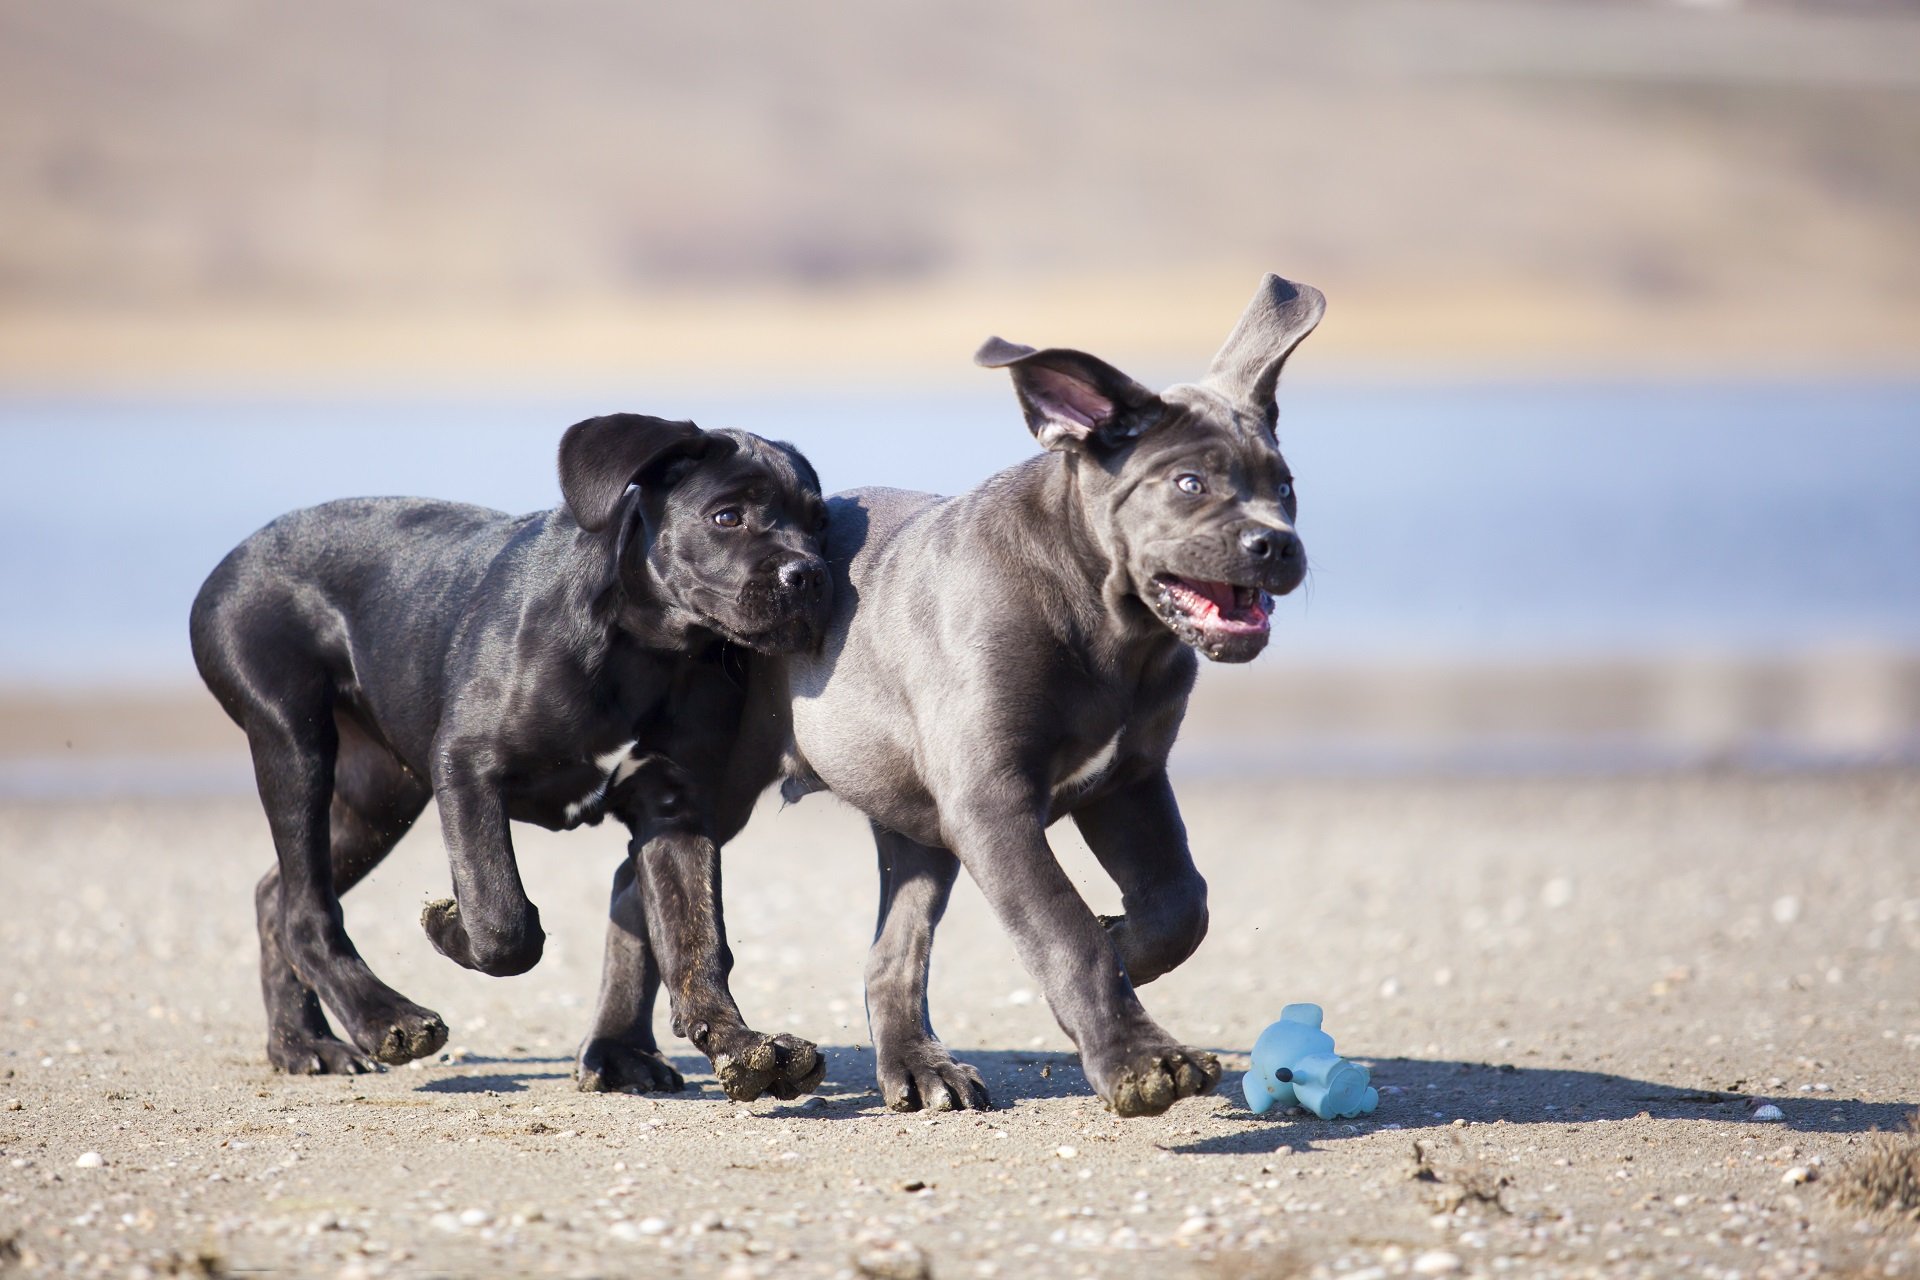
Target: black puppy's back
[[316, 584]]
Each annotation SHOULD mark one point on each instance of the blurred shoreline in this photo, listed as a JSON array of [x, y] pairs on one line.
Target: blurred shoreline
[[1818, 711]]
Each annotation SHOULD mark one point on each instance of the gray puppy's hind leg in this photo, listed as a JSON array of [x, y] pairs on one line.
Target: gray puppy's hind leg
[[620, 1054], [914, 1069]]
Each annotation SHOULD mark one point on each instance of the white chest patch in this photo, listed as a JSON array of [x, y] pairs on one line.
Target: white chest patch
[[1090, 772], [618, 765]]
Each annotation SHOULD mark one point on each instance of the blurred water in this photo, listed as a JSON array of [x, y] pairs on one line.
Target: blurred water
[[1540, 521]]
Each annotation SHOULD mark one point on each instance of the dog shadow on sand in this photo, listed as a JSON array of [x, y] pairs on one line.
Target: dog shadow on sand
[[1416, 1094]]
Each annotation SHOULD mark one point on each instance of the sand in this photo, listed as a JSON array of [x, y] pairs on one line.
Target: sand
[[1572, 993]]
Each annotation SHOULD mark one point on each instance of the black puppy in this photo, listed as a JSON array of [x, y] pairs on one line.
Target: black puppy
[[1023, 652], [380, 651]]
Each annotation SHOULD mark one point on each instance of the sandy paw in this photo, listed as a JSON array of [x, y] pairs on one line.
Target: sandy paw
[[783, 1065], [1149, 1081], [309, 1055], [923, 1076], [614, 1066]]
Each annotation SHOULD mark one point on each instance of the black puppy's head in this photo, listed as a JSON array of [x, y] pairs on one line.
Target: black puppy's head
[[718, 530], [1195, 500]]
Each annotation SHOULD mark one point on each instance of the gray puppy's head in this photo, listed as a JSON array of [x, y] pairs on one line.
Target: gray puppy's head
[[719, 530], [1192, 501]]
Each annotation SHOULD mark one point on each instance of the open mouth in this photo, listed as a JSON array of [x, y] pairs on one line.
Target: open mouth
[[1203, 611]]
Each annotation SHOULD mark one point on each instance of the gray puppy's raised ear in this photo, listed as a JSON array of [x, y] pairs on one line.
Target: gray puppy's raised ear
[[1070, 398], [601, 457], [1247, 368]]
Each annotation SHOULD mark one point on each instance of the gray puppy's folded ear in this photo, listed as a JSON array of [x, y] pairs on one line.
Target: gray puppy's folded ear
[[1070, 398], [1247, 368], [601, 457]]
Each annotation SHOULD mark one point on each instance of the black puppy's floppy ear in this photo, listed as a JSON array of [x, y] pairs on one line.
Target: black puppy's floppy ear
[[1070, 397], [1247, 368], [600, 457]]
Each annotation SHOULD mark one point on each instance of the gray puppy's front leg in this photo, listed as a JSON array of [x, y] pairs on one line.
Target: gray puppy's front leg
[[1134, 1065], [1136, 832]]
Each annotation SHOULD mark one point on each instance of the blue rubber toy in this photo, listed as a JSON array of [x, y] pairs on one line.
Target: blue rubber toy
[[1294, 1064]]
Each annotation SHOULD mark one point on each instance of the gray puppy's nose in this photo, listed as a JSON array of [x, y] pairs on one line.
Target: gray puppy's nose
[[1270, 544]]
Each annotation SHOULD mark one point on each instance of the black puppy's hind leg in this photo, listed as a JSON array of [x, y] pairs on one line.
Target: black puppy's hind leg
[[620, 1054], [914, 1069], [375, 803], [296, 742]]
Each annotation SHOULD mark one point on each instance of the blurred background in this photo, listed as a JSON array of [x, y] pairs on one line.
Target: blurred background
[[1609, 446]]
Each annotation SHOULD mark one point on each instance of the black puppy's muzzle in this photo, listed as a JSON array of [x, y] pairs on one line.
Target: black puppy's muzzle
[[795, 605]]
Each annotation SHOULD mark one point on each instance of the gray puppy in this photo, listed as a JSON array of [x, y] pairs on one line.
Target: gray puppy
[[1024, 652]]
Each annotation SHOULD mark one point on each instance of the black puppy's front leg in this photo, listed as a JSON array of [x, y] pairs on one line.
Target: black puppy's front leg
[[1134, 1065], [677, 867], [489, 924], [620, 1054], [1137, 834]]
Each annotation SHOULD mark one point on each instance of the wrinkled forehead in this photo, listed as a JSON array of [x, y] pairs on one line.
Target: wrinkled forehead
[[1201, 418], [748, 464]]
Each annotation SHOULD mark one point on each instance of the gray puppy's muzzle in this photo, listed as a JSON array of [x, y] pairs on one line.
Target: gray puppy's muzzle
[[1276, 557]]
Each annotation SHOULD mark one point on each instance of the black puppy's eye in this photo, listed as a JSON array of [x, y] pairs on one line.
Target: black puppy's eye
[[1188, 482], [1286, 490], [727, 519]]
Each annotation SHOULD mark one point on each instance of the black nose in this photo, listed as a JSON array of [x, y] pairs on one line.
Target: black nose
[[803, 577], [1270, 544]]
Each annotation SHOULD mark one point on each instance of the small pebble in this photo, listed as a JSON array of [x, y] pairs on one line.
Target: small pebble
[[654, 1226], [1436, 1262], [1796, 1176], [14, 1104], [1066, 1153], [474, 1218], [891, 1260], [89, 1160]]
